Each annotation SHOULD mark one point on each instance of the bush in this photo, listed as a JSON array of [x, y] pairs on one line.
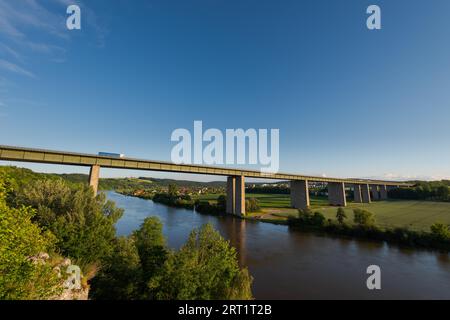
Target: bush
[[151, 247], [304, 214], [252, 205], [222, 203], [82, 223], [120, 277], [307, 218], [341, 215], [20, 240], [363, 217], [318, 219], [206, 267], [141, 267], [206, 208], [174, 200], [440, 231], [134, 268]]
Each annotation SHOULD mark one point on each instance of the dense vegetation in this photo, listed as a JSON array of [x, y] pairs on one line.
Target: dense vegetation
[[364, 227], [175, 199], [271, 189], [22, 177], [142, 267], [218, 208], [434, 190], [43, 215], [21, 240], [83, 224]]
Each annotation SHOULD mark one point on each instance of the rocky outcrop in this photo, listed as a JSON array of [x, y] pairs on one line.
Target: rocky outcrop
[[73, 286]]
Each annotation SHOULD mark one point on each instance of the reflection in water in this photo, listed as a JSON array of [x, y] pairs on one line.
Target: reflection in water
[[293, 265], [235, 230]]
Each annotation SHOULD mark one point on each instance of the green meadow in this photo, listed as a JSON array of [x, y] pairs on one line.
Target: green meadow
[[416, 215]]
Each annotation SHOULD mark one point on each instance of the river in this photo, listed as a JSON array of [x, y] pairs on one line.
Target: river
[[295, 265]]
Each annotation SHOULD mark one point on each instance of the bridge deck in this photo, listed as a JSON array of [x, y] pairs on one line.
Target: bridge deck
[[9, 153]]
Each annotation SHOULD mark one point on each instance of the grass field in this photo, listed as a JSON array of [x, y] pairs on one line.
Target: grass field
[[416, 215]]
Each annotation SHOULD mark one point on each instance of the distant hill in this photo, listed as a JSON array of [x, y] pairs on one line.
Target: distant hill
[[27, 175], [184, 183]]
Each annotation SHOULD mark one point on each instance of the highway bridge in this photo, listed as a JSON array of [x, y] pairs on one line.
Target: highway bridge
[[364, 190]]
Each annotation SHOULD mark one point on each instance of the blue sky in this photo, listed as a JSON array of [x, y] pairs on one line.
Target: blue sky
[[348, 101]]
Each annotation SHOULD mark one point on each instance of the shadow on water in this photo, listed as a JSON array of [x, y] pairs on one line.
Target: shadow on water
[[294, 265]]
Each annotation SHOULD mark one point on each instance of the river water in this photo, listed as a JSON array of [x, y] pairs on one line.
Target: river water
[[294, 265]]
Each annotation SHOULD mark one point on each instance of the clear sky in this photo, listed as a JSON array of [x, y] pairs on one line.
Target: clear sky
[[348, 101]]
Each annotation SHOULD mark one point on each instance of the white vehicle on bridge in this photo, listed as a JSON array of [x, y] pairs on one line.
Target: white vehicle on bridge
[[113, 155]]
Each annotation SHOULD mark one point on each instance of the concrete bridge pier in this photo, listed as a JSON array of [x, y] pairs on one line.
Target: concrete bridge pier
[[365, 193], [240, 196], [299, 194], [231, 191], [383, 192], [336, 194], [94, 174], [374, 190], [357, 193], [236, 195]]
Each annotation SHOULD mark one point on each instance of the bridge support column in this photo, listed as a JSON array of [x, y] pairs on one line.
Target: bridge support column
[[94, 174], [231, 191], [299, 194], [357, 193], [375, 194], [236, 195], [336, 194], [239, 208], [383, 192], [365, 193]]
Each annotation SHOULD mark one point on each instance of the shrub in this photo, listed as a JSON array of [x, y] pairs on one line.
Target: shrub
[[120, 277], [206, 208], [151, 247], [304, 214], [307, 218], [341, 215], [440, 231], [206, 267], [82, 223], [222, 202], [318, 219], [363, 217], [251, 205], [20, 240]]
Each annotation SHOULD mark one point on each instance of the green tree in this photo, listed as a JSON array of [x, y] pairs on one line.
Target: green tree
[[222, 202], [82, 223], [318, 219], [206, 267], [251, 205], [20, 240], [363, 217], [440, 231], [173, 190], [151, 247], [305, 213], [304, 216], [120, 277], [442, 192], [341, 215]]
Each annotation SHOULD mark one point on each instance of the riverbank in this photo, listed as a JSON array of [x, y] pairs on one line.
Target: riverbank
[[412, 214], [435, 239], [289, 264]]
